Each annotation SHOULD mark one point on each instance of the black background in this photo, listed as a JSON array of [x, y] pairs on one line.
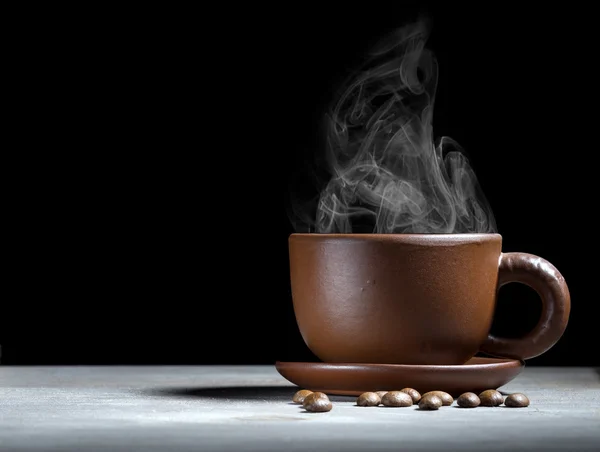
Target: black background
[[154, 151]]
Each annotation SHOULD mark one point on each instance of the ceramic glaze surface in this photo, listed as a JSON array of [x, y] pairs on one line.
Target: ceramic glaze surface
[[477, 375], [415, 299]]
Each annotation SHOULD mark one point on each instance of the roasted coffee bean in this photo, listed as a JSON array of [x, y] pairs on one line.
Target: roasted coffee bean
[[491, 397], [468, 400], [368, 399], [517, 401], [447, 399], [381, 393], [430, 401], [413, 393], [317, 402], [301, 395], [315, 395], [396, 398]]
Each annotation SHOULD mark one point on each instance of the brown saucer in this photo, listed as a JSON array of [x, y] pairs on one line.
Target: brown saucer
[[476, 375]]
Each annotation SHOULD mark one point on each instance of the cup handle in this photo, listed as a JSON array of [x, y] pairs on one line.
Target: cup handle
[[546, 280]]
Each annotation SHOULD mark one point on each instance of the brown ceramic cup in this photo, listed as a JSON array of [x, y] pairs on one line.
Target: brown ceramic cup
[[416, 298]]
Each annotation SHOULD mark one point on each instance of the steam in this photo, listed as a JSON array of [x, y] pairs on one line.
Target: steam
[[387, 173]]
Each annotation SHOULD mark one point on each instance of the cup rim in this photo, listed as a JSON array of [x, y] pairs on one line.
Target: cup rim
[[408, 238]]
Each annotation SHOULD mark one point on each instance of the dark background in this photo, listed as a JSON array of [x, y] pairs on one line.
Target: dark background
[[154, 151]]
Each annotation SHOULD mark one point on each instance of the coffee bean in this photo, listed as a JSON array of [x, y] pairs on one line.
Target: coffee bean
[[301, 395], [317, 402], [446, 398], [381, 394], [396, 398], [413, 393], [315, 395], [517, 401], [430, 401], [491, 397], [468, 400], [368, 399]]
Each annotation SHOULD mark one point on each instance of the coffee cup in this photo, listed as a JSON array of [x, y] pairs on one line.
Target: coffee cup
[[416, 298]]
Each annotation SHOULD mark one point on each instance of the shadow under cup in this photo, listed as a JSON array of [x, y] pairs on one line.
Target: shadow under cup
[[416, 298]]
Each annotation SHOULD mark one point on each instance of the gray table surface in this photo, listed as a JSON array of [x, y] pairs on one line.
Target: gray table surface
[[237, 408]]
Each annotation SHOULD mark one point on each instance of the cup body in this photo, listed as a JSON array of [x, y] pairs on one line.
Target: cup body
[[394, 298]]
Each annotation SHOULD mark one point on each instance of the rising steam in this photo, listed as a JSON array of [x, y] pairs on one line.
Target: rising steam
[[387, 173]]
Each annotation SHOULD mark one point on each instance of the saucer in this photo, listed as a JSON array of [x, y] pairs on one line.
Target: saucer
[[476, 375]]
